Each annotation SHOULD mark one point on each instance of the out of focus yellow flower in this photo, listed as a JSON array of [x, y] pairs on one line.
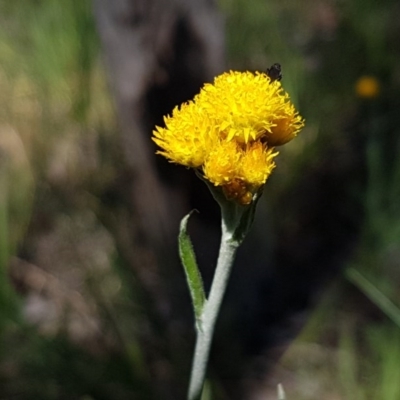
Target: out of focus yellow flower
[[367, 87], [230, 130]]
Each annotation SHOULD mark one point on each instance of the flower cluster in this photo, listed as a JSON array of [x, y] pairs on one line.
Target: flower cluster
[[230, 130]]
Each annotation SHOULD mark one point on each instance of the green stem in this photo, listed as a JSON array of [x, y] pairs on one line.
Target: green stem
[[211, 308]]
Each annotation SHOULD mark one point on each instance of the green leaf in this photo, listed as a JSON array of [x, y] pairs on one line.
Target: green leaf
[[374, 294], [192, 272]]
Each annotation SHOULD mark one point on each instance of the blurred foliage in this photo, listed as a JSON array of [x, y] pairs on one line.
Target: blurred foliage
[[57, 152], [326, 48], [56, 118]]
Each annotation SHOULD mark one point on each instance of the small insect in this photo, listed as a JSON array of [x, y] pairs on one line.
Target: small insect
[[275, 72]]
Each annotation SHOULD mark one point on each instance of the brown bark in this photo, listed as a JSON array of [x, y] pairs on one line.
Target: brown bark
[[155, 48], [158, 54]]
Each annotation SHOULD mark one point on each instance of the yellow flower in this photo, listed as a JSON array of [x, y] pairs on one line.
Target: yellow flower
[[240, 170], [188, 136], [367, 87], [229, 132], [248, 107]]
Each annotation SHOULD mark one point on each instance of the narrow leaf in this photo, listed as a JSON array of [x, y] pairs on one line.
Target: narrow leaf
[[374, 294], [192, 272]]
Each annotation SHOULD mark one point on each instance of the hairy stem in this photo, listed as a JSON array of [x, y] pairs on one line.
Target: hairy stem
[[210, 312]]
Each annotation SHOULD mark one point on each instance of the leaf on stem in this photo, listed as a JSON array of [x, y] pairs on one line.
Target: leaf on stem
[[193, 276]]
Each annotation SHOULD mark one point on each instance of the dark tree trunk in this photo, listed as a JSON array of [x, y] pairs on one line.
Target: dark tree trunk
[[158, 54]]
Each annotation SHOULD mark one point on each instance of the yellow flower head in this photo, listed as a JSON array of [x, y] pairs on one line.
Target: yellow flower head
[[367, 87], [229, 132], [188, 136]]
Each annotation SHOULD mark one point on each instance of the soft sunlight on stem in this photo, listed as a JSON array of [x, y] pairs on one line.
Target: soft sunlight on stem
[[226, 258]]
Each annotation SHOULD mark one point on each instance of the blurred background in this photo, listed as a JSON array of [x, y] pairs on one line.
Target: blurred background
[[93, 303]]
